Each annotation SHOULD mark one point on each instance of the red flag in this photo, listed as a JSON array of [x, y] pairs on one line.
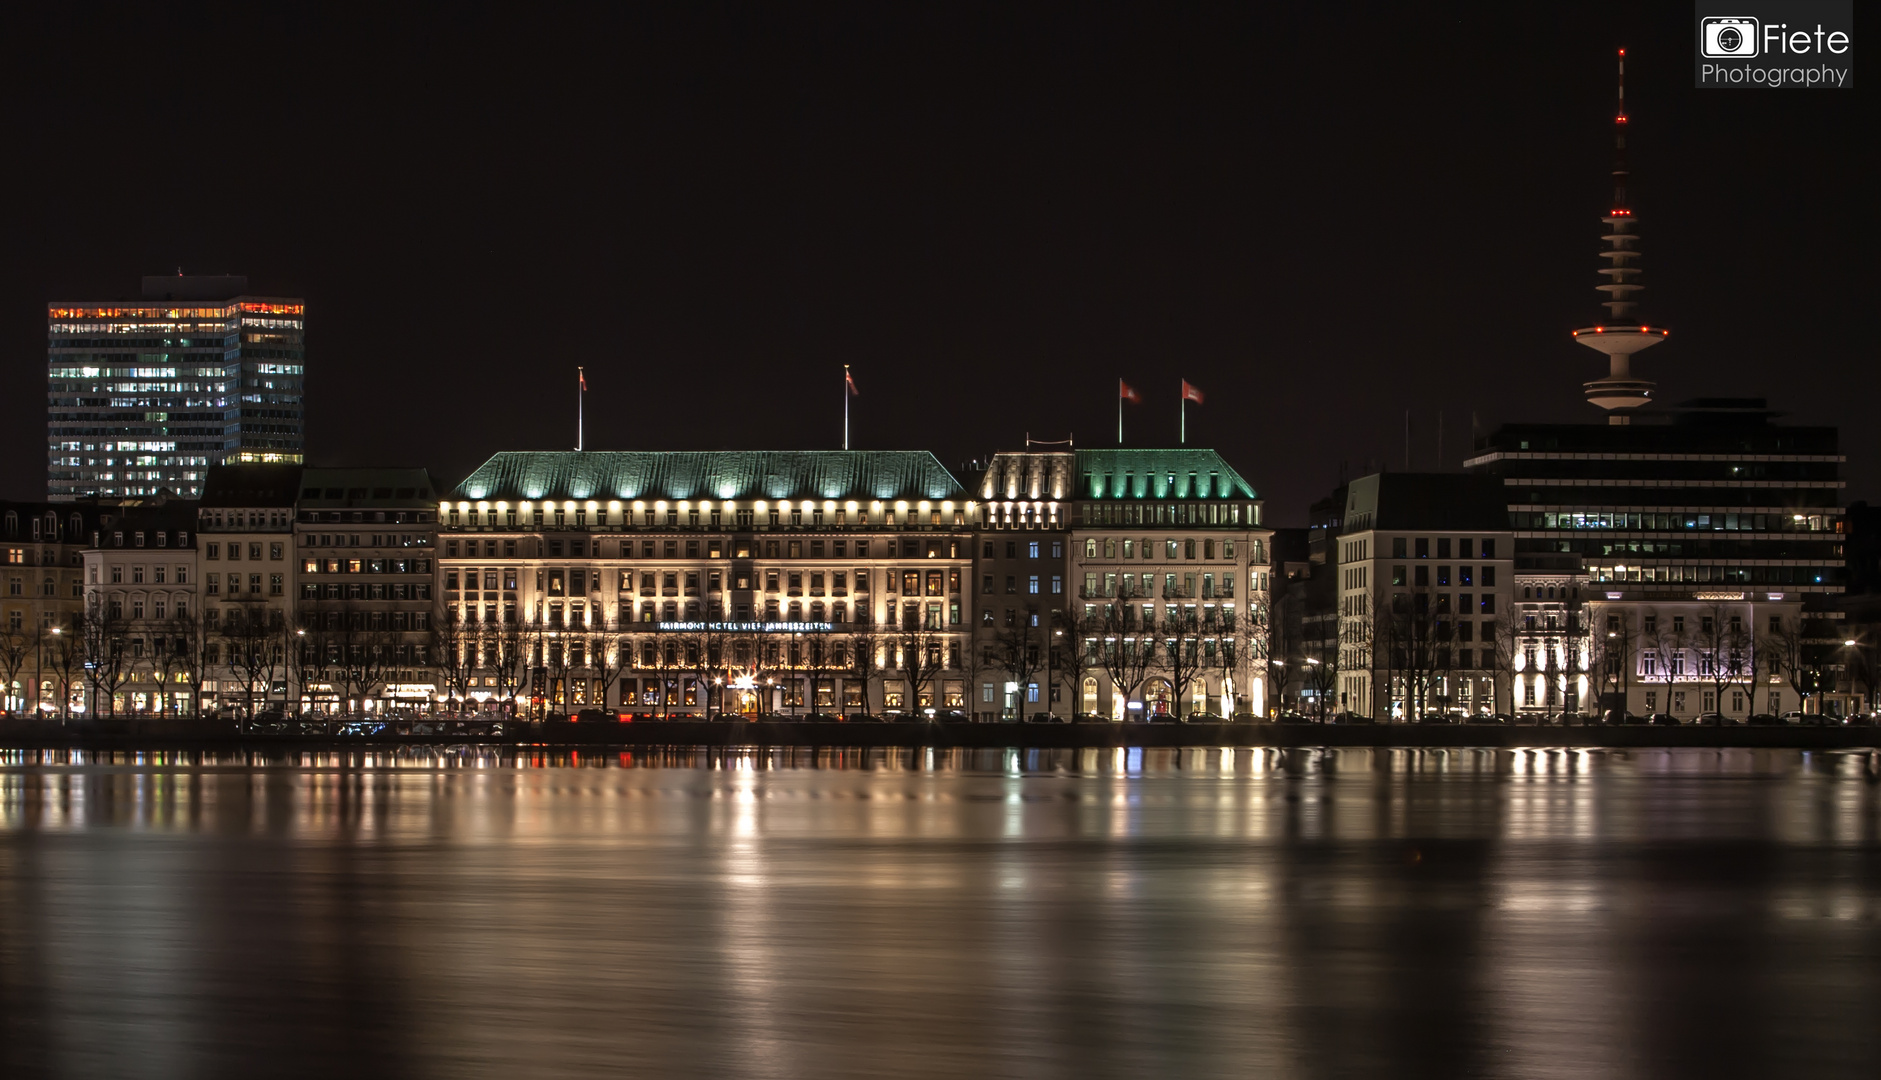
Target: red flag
[[1128, 393], [1190, 393], [582, 374], [850, 381]]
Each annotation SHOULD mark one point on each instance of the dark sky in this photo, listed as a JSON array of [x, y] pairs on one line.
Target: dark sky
[[1321, 217]]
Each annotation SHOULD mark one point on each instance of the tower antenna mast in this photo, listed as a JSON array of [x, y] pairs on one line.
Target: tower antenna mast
[[1621, 333]]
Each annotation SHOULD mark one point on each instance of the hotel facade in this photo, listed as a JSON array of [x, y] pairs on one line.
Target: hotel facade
[[686, 582]]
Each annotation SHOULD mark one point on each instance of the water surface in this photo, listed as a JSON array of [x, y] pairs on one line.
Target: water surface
[[1076, 913]]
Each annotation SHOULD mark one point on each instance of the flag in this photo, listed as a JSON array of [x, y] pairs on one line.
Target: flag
[[1190, 393], [582, 374], [850, 381], [1128, 393]]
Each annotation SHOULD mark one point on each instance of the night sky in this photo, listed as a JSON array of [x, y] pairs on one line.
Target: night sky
[[1321, 218]]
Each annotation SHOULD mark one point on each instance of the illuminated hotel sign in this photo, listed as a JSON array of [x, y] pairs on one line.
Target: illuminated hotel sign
[[1720, 596], [744, 627]]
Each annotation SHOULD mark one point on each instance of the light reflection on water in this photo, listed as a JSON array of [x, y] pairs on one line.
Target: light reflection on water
[[932, 912]]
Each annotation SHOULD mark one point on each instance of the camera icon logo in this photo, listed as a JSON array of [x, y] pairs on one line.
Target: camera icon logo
[[1729, 37]]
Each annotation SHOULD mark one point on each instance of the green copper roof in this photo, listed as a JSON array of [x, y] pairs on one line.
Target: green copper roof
[[742, 475], [1159, 474]]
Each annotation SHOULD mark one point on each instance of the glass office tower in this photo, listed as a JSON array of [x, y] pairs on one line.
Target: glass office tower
[[144, 395]]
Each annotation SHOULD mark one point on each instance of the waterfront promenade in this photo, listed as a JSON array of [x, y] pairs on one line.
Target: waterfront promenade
[[792, 733]]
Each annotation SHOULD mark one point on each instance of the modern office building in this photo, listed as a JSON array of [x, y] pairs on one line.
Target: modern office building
[[146, 395], [677, 582]]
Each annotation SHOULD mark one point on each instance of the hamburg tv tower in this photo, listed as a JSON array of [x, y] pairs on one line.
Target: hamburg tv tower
[[1621, 334]]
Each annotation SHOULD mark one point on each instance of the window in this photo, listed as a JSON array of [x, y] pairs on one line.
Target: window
[[1032, 582], [212, 551], [1489, 552], [1397, 547]]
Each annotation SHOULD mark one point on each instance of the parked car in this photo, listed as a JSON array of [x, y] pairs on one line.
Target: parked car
[[1859, 720], [1091, 718], [1766, 720], [1795, 716], [1288, 716], [1434, 718], [1664, 720], [1349, 718]]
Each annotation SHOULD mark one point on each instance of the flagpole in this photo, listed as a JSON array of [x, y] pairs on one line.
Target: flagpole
[[1184, 436], [1119, 412], [845, 406], [581, 404]]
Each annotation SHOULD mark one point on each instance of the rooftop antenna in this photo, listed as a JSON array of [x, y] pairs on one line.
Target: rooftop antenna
[[1621, 334]]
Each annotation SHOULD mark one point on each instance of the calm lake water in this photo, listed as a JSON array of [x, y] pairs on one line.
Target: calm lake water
[[1095, 913]]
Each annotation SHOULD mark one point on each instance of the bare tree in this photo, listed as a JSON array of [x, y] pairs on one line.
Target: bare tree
[[1712, 644], [1322, 671], [1077, 657], [1507, 647], [253, 653], [1743, 661], [1610, 654], [16, 647], [106, 653], [1355, 649], [454, 644], [1017, 653], [1663, 640], [1126, 652], [609, 655], [921, 659], [62, 652], [1800, 659], [195, 650], [505, 657], [864, 663], [1182, 659]]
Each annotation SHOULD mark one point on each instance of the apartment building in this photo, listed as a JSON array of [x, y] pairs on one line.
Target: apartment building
[[43, 597], [365, 543], [245, 542], [140, 643], [1426, 568]]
